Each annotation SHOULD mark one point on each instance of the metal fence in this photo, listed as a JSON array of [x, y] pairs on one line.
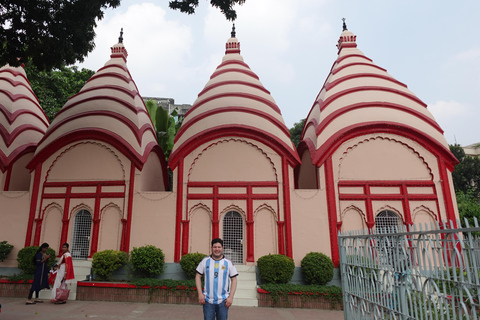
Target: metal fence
[[420, 273]]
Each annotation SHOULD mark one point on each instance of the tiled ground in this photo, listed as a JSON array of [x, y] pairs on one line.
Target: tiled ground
[[15, 309]]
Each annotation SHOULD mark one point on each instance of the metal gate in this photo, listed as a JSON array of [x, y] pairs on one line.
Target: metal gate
[[81, 234], [233, 237], [432, 273]]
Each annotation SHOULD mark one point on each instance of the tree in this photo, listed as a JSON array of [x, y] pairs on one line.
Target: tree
[[468, 208], [49, 33], [54, 88], [466, 176], [296, 132], [189, 6], [165, 125]]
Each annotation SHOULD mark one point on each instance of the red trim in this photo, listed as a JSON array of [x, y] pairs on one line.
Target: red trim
[[96, 223], [12, 116], [234, 130], [65, 220], [345, 92], [7, 178], [22, 150], [337, 69], [230, 82], [334, 83], [332, 210], [375, 104], [249, 96], [130, 207], [137, 132], [333, 142], [33, 204], [281, 237], [206, 114], [185, 236], [123, 235], [178, 225], [248, 72], [356, 55], [287, 208], [447, 192], [9, 137], [98, 134], [228, 62], [250, 226], [215, 218]]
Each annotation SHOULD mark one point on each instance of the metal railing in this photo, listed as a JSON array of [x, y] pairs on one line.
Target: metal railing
[[411, 273]]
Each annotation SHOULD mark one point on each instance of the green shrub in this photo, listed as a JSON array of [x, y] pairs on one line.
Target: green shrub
[[5, 250], [275, 268], [189, 263], [107, 261], [148, 261], [317, 268], [26, 256]]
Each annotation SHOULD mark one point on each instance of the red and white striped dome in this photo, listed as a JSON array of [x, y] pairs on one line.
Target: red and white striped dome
[[233, 102], [108, 108], [23, 122], [360, 96]]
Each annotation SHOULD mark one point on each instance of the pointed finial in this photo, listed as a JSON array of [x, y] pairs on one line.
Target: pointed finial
[[344, 25], [233, 31], [120, 39]]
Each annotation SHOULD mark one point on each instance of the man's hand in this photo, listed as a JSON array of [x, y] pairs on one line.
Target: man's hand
[[201, 298], [228, 302]]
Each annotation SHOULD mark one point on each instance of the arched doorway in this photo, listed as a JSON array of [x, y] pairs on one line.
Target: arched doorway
[[233, 236], [392, 247], [387, 222], [82, 226]]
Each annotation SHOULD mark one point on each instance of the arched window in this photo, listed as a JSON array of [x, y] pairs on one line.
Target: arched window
[[233, 237], [82, 226], [387, 222]]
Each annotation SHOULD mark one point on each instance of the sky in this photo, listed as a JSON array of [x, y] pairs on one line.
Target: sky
[[431, 46]]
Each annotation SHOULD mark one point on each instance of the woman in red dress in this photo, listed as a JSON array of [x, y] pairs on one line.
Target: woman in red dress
[[64, 273]]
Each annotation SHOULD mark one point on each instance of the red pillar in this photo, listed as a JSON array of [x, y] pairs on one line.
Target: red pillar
[[96, 223], [250, 227], [122, 239], [178, 220], [332, 210], [215, 218], [281, 239], [287, 208], [65, 219], [447, 193], [186, 234], [130, 207], [33, 205]]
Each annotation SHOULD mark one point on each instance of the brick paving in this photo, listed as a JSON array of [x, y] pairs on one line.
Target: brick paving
[[15, 309]]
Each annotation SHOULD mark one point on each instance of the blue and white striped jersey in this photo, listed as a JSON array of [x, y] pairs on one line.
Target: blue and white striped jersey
[[217, 275]]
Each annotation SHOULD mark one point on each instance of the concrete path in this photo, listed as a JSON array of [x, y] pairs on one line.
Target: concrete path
[[15, 309]]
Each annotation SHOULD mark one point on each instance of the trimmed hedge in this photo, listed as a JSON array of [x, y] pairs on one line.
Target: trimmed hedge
[[25, 258], [317, 268], [148, 261], [275, 268], [5, 250], [106, 261], [189, 263]]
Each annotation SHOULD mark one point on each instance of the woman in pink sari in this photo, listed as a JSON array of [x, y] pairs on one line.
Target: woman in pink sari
[[64, 273]]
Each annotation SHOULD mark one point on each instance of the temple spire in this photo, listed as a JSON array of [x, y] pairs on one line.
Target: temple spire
[[344, 25], [233, 34], [120, 39]]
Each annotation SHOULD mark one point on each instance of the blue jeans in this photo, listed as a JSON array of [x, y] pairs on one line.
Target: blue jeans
[[210, 310]]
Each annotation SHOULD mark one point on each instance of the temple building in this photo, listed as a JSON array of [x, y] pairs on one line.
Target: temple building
[[371, 156]]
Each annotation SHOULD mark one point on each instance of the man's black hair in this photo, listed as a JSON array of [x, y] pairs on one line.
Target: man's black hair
[[217, 240]]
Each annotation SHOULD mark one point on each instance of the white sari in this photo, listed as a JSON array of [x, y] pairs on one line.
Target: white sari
[[59, 277]]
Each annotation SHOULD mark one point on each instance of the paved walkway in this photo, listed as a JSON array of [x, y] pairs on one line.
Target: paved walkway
[[15, 309]]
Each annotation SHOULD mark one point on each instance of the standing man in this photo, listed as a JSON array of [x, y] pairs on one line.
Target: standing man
[[216, 298]]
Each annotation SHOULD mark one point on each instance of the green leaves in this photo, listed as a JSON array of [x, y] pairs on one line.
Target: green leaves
[[25, 258], [148, 260], [275, 268], [5, 249], [107, 261], [317, 268], [189, 263], [165, 126], [189, 6]]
